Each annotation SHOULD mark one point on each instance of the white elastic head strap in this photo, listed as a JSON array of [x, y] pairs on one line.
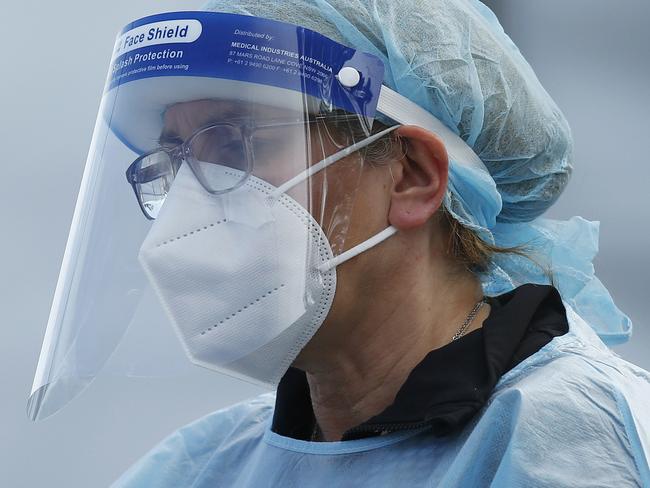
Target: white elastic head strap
[[405, 112]]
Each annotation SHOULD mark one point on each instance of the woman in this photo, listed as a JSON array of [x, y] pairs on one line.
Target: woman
[[446, 358]]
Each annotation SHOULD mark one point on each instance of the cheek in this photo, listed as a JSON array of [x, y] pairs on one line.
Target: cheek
[[372, 204], [329, 197], [354, 207], [368, 216], [349, 200]]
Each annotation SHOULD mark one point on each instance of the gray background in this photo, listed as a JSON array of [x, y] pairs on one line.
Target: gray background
[[592, 56]]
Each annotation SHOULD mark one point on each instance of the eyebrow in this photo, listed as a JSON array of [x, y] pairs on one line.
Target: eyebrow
[[220, 115]]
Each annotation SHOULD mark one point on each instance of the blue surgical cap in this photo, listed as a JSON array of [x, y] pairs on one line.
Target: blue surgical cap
[[453, 58]]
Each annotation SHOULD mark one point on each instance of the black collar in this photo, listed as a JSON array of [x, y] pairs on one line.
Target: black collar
[[451, 383]]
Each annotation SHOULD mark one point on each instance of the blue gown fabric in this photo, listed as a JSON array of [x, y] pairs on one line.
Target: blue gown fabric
[[573, 414]]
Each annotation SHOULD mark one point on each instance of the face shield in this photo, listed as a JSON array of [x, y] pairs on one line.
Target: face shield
[[216, 199]]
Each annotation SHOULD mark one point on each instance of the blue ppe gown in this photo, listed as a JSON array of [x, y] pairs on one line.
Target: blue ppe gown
[[574, 414]]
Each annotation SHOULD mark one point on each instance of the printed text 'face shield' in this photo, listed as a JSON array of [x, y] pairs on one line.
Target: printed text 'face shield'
[[216, 194]]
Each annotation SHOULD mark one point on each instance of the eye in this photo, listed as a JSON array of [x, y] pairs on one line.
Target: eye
[[169, 142]]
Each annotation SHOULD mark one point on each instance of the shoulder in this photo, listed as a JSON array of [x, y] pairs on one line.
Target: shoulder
[[183, 454], [575, 406], [577, 361]]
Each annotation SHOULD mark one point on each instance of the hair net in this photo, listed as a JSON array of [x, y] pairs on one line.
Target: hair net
[[453, 58]]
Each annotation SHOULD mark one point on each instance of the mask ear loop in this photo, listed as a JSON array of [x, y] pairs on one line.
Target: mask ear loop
[[358, 249], [321, 165]]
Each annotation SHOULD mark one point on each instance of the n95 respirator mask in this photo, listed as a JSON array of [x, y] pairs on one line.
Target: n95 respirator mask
[[246, 276]]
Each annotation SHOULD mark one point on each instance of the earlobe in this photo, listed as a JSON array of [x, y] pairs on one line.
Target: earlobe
[[420, 178]]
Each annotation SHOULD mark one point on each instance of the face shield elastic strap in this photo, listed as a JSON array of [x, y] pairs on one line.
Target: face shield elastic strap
[[321, 165]]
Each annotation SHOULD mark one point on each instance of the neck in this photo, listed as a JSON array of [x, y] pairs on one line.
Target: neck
[[354, 372]]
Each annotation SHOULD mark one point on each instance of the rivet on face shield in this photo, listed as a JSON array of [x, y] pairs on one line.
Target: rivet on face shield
[[348, 77]]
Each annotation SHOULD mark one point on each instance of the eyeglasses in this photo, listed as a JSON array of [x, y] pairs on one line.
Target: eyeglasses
[[235, 144]]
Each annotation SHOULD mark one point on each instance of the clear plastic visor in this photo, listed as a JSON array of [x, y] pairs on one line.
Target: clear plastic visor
[[104, 314]]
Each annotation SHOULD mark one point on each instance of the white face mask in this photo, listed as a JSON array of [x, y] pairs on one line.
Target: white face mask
[[246, 277]]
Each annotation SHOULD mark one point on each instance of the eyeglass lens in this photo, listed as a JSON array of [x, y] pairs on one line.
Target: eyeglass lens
[[154, 176]]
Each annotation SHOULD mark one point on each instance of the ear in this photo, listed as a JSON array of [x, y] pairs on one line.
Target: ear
[[420, 178]]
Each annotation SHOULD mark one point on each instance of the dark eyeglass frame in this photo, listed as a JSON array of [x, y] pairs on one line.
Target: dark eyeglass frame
[[182, 152]]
